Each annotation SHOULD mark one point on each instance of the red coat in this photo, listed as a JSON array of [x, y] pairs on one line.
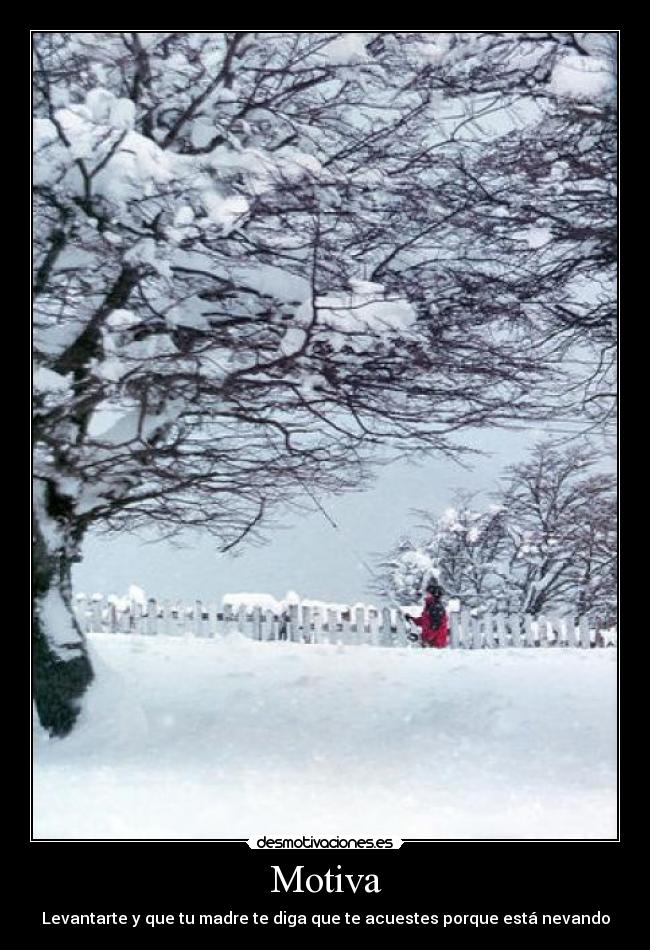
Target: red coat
[[432, 636]]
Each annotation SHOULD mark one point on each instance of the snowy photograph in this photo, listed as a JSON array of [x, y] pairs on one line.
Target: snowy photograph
[[324, 435]]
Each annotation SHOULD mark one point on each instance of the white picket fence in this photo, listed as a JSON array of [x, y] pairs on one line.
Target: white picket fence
[[353, 626]]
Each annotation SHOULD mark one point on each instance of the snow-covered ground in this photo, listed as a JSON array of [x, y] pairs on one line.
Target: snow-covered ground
[[229, 738]]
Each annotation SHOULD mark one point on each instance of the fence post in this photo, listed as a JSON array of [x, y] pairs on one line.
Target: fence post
[[332, 625], [400, 630], [197, 610], [572, 639], [554, 632], [228, 619], [501, 633], [266, 623], [489, 631], [177, 618], [241, 619], [372, 622], [212, 619], [152, 616], [454, 621], [280, 624], [163, 619], [563, 633], [294, 633], [385, 633], [317, 622], [274, 624], [546, 635], [360, 623], [465, 627], [185, 617], [513, 622], [137, 616], [528, 631], [585, 639], [257, 623], [476, 633], [346, 626], [306, 625]]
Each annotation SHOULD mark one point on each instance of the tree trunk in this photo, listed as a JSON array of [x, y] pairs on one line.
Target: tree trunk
[[61, 667]]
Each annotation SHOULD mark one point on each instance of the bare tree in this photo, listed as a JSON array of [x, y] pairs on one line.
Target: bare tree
[[548, 542], [561, 532]]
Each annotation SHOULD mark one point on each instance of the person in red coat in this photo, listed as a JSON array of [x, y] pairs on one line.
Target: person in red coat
[[433, 621]]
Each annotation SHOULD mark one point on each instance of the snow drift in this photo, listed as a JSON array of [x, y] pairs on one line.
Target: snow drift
[[230, 738]]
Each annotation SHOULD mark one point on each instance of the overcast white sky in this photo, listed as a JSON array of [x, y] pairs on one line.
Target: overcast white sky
[[308, 556]]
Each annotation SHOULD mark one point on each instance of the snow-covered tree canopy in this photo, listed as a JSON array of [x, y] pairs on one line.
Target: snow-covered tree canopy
[[547, 541], [207, 208], [460, 547], [255, 262]]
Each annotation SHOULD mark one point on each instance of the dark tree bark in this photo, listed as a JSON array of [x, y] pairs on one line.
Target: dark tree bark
[[61, 666]]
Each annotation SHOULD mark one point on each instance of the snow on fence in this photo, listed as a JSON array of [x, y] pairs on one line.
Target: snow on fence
[[335, 624]]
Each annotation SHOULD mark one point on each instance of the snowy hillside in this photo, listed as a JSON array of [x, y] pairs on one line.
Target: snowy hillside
[[233, 738]]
